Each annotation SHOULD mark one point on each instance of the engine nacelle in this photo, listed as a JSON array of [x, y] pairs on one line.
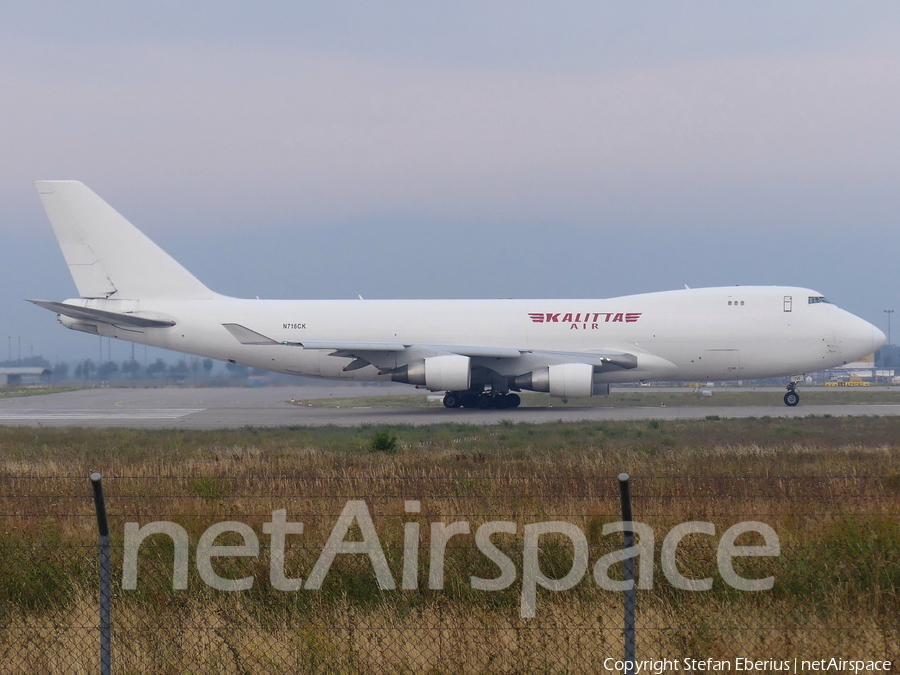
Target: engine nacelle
[[451, 372], [563, 379]]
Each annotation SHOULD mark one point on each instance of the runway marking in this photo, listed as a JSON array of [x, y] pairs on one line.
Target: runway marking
[[120, 414]]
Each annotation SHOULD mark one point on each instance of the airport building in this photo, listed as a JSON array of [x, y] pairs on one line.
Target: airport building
[[24, 376]]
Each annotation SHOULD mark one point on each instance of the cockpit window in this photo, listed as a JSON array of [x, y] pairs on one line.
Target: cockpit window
[[815, 299]]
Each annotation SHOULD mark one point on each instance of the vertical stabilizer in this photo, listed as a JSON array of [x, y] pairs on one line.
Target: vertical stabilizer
[[109, 257]]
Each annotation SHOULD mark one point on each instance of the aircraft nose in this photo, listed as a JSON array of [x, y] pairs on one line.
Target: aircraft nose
[[878, 339], [859, 338]]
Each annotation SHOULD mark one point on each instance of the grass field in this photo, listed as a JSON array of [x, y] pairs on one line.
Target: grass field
[[16, 392], [829, 487]]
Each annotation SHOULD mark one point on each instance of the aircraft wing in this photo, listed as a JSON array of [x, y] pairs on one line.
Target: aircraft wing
[[355, 348], [395, 354], [102, 316], [250, 337]]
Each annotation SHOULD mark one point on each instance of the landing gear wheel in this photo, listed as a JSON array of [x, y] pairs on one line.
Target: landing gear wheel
[[512, 400], [791, 398], [452, 400], [485, 401]]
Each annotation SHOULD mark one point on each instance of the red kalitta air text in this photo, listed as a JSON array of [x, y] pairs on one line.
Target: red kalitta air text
[[587, 320]]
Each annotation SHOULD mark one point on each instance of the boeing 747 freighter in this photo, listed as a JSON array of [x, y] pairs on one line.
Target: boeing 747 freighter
[[477, 351]]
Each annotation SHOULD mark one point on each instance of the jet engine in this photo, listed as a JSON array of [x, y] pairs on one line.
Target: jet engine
[[450, 372], [563, 379]]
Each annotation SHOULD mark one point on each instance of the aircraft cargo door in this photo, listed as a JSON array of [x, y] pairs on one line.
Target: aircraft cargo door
[[722, 364]]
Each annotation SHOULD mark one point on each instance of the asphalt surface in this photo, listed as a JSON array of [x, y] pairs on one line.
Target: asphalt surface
[[223, 408]]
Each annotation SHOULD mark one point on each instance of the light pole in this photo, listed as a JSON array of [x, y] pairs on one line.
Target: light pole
[[889, 312]]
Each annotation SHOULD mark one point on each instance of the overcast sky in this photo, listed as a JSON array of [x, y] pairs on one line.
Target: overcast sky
[[467, 149]]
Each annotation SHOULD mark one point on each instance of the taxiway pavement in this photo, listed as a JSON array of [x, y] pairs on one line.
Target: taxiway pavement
[[223, 408]]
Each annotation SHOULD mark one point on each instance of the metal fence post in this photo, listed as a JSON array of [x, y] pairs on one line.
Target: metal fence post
[[103, 546], [628, 542]]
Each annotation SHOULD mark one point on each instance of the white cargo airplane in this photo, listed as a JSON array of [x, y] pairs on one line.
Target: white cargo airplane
[[478, 351]]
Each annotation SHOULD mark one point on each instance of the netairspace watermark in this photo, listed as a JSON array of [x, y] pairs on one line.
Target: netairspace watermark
[[356, 512], [741, 664]]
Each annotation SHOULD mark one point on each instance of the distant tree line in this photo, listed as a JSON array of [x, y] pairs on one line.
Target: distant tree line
[[131, 369], [191, 370]]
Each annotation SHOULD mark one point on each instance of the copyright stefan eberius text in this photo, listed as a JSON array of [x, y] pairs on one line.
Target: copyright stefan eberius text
[[741, 664]]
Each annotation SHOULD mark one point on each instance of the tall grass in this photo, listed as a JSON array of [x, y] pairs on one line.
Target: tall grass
[[830, 488]]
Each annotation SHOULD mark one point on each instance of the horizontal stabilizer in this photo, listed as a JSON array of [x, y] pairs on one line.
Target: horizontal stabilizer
[[102, 316]]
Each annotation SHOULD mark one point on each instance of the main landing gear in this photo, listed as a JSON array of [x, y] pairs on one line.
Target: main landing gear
[[482, 401], [792, 398]]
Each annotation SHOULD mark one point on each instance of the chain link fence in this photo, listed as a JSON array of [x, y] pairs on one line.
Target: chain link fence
[[415, 575]]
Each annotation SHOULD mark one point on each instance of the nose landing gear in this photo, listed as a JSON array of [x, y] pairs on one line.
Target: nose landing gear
[[791, 398]]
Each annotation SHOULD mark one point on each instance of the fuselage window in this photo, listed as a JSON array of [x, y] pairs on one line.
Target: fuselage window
[[816, 299]]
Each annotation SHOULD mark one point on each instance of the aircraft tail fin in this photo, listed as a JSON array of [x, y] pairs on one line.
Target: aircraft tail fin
[[108, 257]]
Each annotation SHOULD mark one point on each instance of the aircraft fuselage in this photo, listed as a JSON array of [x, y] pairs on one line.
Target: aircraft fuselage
[[729, 333]]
